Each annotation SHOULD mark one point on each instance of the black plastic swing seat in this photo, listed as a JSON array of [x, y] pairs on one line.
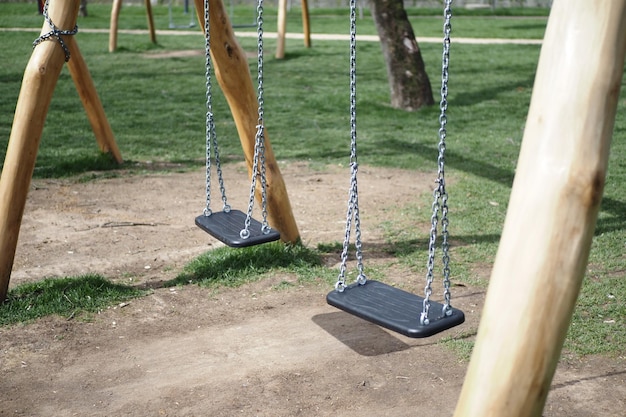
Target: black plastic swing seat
[[393, 308], [226, 227]]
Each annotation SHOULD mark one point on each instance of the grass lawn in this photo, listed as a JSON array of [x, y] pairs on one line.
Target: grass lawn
[[156, 109]]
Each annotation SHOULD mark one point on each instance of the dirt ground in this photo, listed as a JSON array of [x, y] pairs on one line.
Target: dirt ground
[[250, 351]]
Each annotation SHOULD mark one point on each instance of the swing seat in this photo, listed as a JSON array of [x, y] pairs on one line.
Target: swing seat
[[226, 226], [393, 308]]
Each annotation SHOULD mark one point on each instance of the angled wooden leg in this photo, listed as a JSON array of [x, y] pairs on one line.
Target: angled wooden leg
[[552, 211], [306, 24], [150, 21], [233, 75], [40, 78], [91, 102], [281, 29], [115, 16]]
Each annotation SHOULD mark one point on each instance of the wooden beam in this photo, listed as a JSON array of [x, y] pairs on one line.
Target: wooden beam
[[91, 102], [306, 24], [281, 30], [233, 75], [39, 81], [115, 16], [552, 212], [150, 18]]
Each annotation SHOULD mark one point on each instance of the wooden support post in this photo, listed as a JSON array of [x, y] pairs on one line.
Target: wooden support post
[[233, 75], [306, 24], [552, 212], [150, 21], [281, 31], [91, 102], [115, 15], [281, 34], [40, 78]]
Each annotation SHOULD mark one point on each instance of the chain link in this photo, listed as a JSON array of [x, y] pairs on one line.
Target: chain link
[[55, 33], [211, 134], [440, 196], [353, 198], [259, 142]]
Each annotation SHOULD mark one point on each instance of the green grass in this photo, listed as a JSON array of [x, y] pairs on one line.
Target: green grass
[[67, 297], [156, 109], [426, 21], [598, 323], [234, 267]]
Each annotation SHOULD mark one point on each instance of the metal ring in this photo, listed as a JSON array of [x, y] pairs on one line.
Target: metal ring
[[244, 234], [340, 286]]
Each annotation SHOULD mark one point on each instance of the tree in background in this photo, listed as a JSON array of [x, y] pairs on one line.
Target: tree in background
[[82, 11], [409, 83]]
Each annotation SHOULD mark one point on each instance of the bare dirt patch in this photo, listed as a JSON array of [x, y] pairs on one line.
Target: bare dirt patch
[[251, 351]]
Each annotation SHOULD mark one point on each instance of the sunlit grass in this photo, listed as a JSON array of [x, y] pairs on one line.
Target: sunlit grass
[[67, 297], [156, 107]]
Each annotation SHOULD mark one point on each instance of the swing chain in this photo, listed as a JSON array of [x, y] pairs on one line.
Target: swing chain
[[353, 199], [440, 196], [259, 142], [261, 124], [55, 33], [211, 134]]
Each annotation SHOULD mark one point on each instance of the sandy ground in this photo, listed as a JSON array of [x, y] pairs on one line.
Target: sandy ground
[[250, 351]]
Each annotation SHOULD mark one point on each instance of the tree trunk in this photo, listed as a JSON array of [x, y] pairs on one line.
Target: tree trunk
[[409, 83], [82, 10]]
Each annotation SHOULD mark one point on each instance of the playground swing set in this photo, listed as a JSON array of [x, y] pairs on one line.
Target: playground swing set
[[281, 22], [564, 154], [380, 303], [233, 227]]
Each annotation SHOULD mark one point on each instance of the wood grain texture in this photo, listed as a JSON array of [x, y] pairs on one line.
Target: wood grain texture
[[552, 212], [233, 75], [40, 78], [91, 102]]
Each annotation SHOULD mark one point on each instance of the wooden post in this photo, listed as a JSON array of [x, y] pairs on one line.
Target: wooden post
[[150, 21], [40, 78], [552, 212], [91, 102], [281, 31], [233, 75], [115, 15], [306, 24]]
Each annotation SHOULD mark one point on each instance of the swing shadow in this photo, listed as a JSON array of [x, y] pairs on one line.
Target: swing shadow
[[588, 378], [363, 337], [407, 247]]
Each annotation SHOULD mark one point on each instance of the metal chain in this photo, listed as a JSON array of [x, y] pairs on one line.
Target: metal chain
[[55, 33], [211, 134], [353, 198], [440, 196], [259, 142]]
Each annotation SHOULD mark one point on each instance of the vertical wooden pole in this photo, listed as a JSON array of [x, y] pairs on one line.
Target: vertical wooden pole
[[150, 21], [40, 78], [552, 212], [115, 16], [91, 102], [282, 29], [233, 75], [306, 24]]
